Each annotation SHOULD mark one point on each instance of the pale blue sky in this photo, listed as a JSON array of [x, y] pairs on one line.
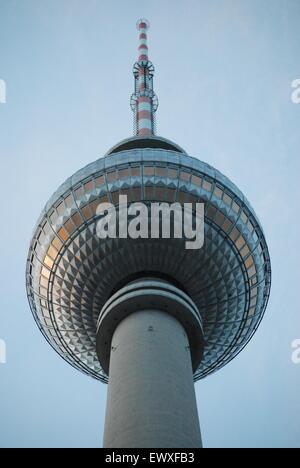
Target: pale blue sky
[[223, 76]]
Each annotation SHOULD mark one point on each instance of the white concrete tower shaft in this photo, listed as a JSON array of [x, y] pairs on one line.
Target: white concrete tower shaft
[[153, 330]]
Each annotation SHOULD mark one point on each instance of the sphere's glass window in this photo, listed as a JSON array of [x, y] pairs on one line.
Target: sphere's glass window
[[211, 211], [245, 251], [86, 212], [220, 218], [48, 261], [161, 171], [252, 271], [196, 180], [227, 199], [172, 173], [63, 234], [100, 181], [185, 176], [218, 192], [234, 234], [111, 176], [69, 201], [79, 193], [250, 226], [89, 186], [249, 262], [60, 209], [244, 217], [207, 185], [227, 226], [77, 220], [123, 173], [236, 207], [149, 171], [135, 171], [240, 242], [57, 243]]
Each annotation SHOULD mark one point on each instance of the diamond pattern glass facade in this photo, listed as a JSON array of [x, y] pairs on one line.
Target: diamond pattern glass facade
[[71, 272]]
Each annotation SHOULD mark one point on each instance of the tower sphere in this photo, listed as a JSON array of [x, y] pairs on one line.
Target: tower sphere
[[71, 273]]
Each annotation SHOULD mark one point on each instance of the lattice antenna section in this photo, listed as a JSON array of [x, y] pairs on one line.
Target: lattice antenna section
[[144, 102]]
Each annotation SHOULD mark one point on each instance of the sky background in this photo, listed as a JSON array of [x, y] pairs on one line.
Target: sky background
[[224, 70]]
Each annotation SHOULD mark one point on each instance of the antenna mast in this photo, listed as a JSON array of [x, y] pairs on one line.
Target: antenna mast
[[144, 102]]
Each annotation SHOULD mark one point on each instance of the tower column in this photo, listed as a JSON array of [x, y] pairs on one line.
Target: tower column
[[151, 358], [151, 398]]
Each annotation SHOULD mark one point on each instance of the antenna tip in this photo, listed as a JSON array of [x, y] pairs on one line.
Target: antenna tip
[[142, 23]]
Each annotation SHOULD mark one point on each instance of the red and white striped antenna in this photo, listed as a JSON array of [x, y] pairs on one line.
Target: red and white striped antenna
[[144, 102]]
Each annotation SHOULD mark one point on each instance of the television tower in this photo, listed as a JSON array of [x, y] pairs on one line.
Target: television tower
[[148, 316]]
